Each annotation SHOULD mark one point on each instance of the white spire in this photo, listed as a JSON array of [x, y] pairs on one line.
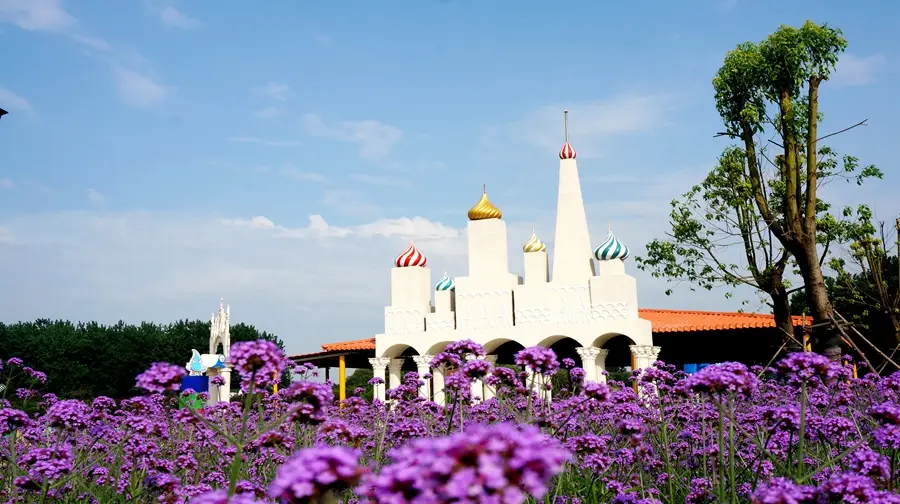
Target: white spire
[[572, 262]]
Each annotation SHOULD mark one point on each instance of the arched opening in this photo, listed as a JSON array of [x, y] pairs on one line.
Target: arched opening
[[505, 352], [405, 352], [563, 346], [437, 348], [619, 363]]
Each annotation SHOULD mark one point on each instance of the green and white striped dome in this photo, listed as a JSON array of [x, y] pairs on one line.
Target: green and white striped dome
[[610, 249], [445, 284]]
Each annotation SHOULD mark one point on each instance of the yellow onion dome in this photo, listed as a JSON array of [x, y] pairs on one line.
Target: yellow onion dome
[[484, 209], [534, 244]]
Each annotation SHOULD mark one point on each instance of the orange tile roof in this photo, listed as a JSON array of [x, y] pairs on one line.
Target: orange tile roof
[[663, 321], [363, 344]]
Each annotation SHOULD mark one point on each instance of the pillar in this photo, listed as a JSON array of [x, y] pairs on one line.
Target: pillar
[[396, 371], [225, 391], [342, 378], [489, 391], [378, 367], [422, 367], [588, 357], [213, 389], [437, 384], [601, 365], [644, 355]]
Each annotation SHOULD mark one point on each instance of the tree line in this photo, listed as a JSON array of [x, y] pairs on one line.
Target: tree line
[[758, 218], [86, 359]]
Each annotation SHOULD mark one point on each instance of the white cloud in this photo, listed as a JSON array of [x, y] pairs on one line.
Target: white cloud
[[172, 17], [590, 123], [309, 283], [375, 139], [46, 15], [6, 183], [853, 70], [304, 176], [265, 142], [95, 197], [11, 101], [275, 91], [138, 90]]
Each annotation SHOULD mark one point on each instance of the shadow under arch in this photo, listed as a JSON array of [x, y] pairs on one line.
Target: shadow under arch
[[619, 355], [403, 350], [563, 346], [506, 351]]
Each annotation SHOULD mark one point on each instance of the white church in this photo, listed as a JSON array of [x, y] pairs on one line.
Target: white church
[[587, 296]]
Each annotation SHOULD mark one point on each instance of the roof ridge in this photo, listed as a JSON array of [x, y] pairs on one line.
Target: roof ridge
[[709, 312]]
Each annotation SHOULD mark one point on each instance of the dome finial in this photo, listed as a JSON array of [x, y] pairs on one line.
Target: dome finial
[[484, 209], [567, 152], [445, 283], [410, 257], [611, 248], [534, 244]]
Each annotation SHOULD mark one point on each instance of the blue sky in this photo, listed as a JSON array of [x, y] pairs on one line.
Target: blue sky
[[160, 155]]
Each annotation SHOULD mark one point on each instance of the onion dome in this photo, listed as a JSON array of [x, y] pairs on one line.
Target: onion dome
[[445, 284], [410, 257], [611, 249], [567, 151], [534, 244], [484, 209]]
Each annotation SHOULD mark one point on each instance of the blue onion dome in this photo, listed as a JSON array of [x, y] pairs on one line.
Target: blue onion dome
[[445, 284], [610, 249]]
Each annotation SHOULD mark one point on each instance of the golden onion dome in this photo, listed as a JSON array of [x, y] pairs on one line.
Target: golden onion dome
[[534, 244], [484, 209]]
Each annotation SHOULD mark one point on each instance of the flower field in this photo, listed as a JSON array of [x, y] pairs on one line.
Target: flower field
[[801, 432]]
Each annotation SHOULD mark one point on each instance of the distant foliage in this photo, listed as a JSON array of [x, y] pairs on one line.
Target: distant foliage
[[87, 359]]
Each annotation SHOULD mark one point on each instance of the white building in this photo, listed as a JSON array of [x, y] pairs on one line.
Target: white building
[[587, 296]]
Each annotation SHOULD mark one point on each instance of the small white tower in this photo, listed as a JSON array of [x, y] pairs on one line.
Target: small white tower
[[410, 292], [535, 260], [444, 295], [488, 248], [611, 255], [572, 263]]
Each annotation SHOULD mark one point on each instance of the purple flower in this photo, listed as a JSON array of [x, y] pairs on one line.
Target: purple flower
[[496, 463], [377, 380], [12, 419], [14, 361], [782, 491], [727, 377], [313, 472], [217, 381], [539, 360], [259, 362], [476, 368], [70, 414], [810, 367], [464, 347], [48, 464], [161, 377], [598, 391], [310, 400], [221, 497]]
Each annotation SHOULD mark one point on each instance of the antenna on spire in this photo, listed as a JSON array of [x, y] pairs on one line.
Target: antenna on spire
[[483, 188], [533, 231], [566, 120], [609, 223]]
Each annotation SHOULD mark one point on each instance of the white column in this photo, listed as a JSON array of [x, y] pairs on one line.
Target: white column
[[225, 394], [437, 384], [378, 367], [213, 394], [489, 391], [644, 355], [589, 362], [477, 385], [601, 365], [396, 370], [422, 362]]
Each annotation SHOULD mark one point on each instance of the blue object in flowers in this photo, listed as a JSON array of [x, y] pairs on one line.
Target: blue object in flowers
[[690, 368], [196, 383]]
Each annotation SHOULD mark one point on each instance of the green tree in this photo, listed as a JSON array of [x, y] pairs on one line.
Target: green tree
[[867, 278], [783, 74], [718, 239], [358, 379]]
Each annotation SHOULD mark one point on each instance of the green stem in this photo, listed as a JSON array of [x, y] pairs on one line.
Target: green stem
[[731, 478], [721, 450], [801, 441]]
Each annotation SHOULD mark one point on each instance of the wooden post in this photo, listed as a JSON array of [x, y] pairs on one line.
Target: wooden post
[[275, 379], [634, 384], [342, 378], [327, 373]]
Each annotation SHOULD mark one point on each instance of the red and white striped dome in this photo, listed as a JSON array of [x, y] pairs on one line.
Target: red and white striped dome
[[410, 257], [567, 152]]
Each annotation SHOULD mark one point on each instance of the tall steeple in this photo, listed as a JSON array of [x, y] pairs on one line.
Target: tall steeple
[[572, 262]]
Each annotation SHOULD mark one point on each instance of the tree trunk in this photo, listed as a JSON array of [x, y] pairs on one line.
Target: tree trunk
[[784, 321], [826, 339]]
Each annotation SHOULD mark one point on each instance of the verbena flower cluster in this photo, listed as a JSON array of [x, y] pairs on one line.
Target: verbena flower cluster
[[803, 432]]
